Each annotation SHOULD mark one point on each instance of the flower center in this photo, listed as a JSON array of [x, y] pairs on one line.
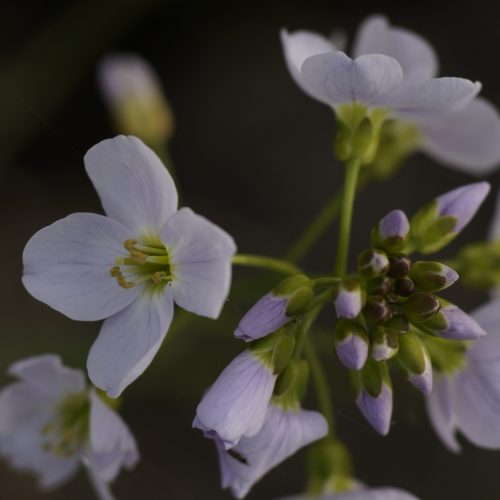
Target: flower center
[[144, 263], [67, 432]]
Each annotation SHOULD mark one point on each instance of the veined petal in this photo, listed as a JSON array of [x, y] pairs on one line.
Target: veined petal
[[48, 376], [129, 340], [432, 97], [200, 254], [415, 55], [334, 78], [283, 434], [134, 186], [112, 443], [467, 139], [298, 46], [236, 404], [440, 411], [67, 266]]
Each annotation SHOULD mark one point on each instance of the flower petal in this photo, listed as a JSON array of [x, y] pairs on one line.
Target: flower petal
[[128, 342], [298, 46], [487, 348], [134, 186], [334, 78], [67, 266], [415, 55], [112, 443], [200, 254], [467, 139], [439, 409]]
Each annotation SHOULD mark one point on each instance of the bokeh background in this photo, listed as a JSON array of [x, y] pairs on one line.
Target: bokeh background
[[253, 154]]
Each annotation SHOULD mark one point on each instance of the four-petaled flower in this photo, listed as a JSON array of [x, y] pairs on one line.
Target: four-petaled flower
[[130, 266]]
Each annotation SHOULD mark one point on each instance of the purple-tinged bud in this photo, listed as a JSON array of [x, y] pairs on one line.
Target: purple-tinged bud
[[372, 263], [377, 309], [400, 266], [415, 360], [374, 398], [351, 344], [349, 299], [384, 344], [391, 233], [421, 307], [404, 287], [462, 203], [453, 323], [431, 276], [276, 308]]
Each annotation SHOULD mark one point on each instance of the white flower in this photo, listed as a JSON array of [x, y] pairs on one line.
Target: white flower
[[468, 400], [130, 266], [394, 69], [51, 423]]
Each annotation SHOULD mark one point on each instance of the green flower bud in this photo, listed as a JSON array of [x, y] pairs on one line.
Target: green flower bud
[[404, 287], [384, 343], [431, 276], [275, 350], [421, 306], [398, 323], [380, 285], [372, 263], [377, 309], [291, 384], [415, 360], [399, 266]]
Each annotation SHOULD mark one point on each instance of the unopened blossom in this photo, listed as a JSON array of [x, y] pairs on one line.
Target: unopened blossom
[[348, 300], [236, 404], [51, 423], [380, 493], [394, 69], [133, 94], [284, 432], [466, 398], [130, 266]]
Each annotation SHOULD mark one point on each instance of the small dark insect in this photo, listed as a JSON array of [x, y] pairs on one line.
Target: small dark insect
[[238, 456]]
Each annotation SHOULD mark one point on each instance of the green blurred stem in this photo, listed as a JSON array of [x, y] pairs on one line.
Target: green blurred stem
[[265, 262], [351, 179], [304, 328], [319, 225], [320, 385]]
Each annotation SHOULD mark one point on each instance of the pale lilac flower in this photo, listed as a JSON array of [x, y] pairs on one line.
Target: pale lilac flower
[[377, 409], [352, 350], [130, 266], [395, 69], [284, 432], [51, 423], [468, 400], [236, 404], [380, 493], [453, 323]]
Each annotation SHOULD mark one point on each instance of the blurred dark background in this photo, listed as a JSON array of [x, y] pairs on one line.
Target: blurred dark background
[[253, 154]]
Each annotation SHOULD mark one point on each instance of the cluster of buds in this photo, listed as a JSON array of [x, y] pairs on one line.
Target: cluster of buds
[[389, 308]]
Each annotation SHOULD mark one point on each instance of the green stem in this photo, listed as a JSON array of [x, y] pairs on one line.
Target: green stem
[[320, 385], [351, 180], [265, 262], [304, 328]]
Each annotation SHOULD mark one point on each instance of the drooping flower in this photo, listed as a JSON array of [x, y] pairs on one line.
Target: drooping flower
[[51, 423], [284, 432], [395, 69], [129, 267], [466, 398]]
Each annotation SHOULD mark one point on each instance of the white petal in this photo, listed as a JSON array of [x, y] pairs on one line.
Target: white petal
[[48, 376], [467, 139], [112, 443], [335, 78], [487, 348], [67, 265], [128, 342], [439, 408], [432, 97], [415, 55], [298, 46], [134, 186], [201, 254]]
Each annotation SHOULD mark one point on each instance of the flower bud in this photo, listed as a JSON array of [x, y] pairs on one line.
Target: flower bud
[[399, 266], [351, 344], [453, 323], [275, 350], [421, 306], [384, 343], [372, 263], [377, 309], [380, 285], [276, 308], [431, 276], [415, 360], [398, 323], [292, 382], [404, 287], [348, 301], [374, 398], [438, 222], [391, 233]]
